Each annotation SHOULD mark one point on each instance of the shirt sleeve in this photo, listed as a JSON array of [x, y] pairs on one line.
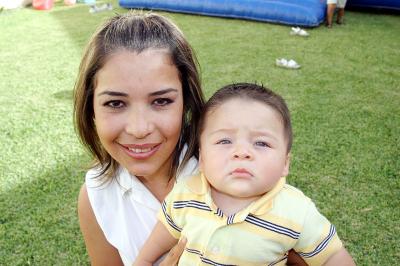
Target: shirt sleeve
[[165, 215], [318, 239]]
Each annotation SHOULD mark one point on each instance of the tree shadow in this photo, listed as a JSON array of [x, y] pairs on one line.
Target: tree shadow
[[38, 220], [64, 95]]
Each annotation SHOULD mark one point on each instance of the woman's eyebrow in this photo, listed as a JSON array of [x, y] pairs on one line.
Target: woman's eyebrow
[[113, 93], [123, 94], [162, 92]]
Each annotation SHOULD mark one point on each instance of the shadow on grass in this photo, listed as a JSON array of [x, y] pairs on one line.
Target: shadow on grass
[[64, 95], [38, 220]]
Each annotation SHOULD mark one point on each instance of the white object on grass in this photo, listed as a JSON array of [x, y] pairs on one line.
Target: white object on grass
[[291, 64], [299, 31], [103, 7]]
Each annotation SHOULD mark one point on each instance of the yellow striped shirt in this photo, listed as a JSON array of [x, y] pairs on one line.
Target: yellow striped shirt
[[261, 234]]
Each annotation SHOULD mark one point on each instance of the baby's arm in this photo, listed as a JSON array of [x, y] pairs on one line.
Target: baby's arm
[[159, 242], [319, 243], [341, 257]]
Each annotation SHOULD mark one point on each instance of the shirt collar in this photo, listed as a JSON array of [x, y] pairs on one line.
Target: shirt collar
[[130, 182], [126, 180], [265, 203], [199, 185]]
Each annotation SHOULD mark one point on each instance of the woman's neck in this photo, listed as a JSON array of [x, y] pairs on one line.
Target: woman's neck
[[158, 187], [159, 183]]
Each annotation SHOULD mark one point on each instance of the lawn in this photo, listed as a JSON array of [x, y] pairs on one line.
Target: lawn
[[345, 104]]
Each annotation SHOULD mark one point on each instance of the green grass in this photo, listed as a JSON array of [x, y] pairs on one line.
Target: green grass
[[344, 101]]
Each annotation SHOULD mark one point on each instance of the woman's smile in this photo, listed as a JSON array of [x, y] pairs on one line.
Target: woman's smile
[[141, 152]]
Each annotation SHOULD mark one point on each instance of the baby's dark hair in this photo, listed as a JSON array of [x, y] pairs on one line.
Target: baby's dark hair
[[250, 91]]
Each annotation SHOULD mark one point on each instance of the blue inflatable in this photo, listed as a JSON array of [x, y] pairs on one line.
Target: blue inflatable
[[306, 13], [377, 4]]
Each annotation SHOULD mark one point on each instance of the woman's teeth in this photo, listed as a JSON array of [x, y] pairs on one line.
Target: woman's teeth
[[135, 150]]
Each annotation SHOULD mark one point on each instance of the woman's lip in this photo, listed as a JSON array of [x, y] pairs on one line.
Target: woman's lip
[[140, 146], [141, 152]]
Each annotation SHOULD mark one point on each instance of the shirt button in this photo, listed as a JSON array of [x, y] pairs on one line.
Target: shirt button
[[215, 250]]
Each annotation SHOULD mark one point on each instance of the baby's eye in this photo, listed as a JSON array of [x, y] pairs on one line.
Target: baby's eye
[[162, 101], [224, 141], [114, 104], [261, 144]]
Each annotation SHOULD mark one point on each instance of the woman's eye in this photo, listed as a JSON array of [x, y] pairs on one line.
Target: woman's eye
[[261, 144], [224, 141], [114, 104], [162, 101]]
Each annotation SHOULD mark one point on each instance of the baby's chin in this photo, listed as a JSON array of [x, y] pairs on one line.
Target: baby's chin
[[246, 195]]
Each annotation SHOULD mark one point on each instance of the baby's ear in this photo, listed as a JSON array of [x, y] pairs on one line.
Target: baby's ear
[[285, 170]]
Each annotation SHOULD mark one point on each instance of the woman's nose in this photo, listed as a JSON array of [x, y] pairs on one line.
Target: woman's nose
[[139, 123]]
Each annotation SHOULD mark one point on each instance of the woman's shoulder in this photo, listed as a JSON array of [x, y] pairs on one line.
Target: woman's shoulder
[[93, 177], [100, 190], [117, 204]]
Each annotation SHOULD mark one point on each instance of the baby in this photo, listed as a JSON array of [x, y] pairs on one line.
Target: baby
[[239, 209]]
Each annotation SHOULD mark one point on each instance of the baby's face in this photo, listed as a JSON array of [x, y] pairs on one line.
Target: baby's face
[[243, 148]]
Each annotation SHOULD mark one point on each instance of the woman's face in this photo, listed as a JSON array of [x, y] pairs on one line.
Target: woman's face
[[138, 108]]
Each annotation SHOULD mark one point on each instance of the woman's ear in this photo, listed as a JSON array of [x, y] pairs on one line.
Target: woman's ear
[[285, 170]]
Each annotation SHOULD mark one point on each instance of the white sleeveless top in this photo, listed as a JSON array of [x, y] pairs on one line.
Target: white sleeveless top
[[126, 210]]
